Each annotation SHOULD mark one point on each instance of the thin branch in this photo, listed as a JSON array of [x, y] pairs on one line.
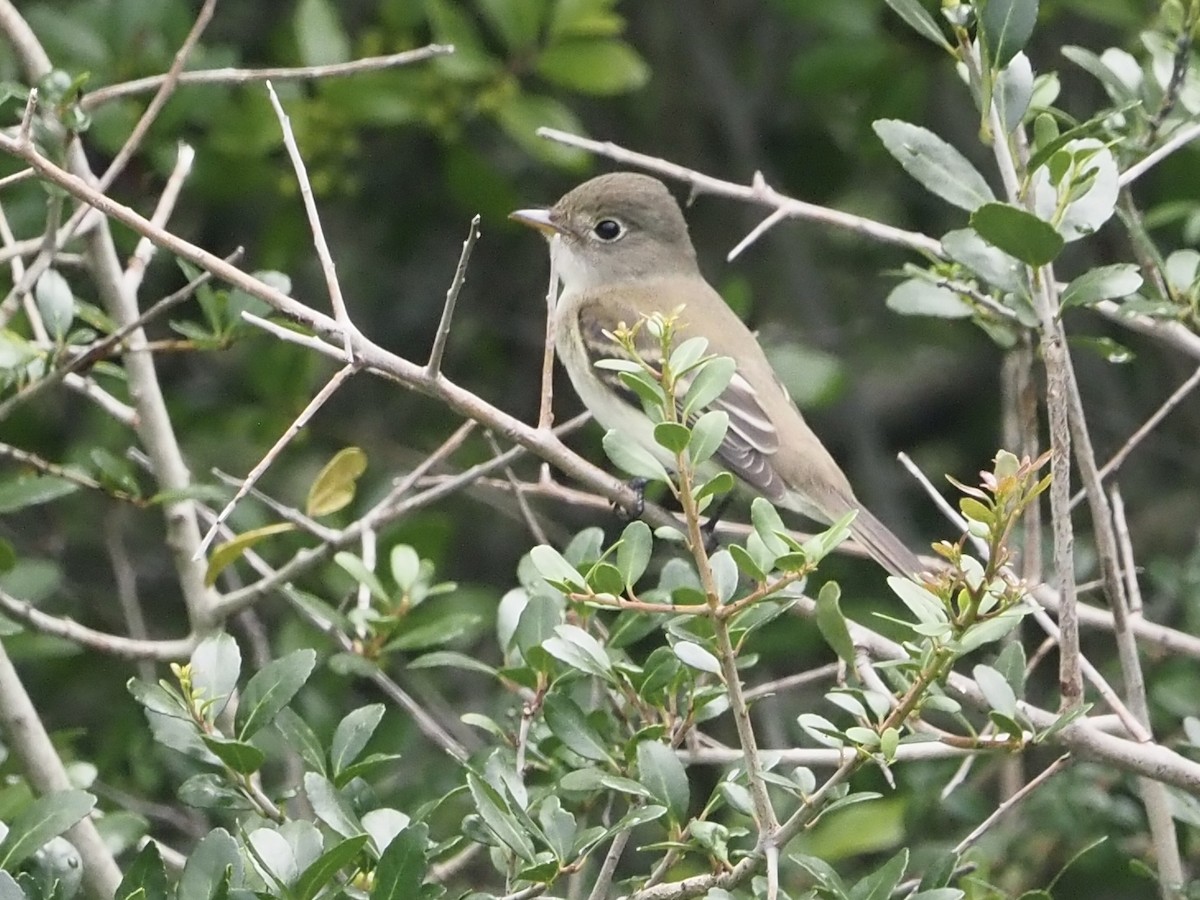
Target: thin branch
[[546, 404], [434, 366], [1183, 136], [1146, 427], [144, 251], [758, 192], [527, 513], [755, 233], [36, 754], [336, 301], [110, 644], [165, 88], [1011, 802], [269, 457], [233, 76], [609, 867]]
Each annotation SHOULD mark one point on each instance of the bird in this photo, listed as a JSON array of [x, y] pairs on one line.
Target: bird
[[622, 252]]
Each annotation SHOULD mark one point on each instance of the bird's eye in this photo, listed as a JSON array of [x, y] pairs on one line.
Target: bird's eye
[[607, 229]]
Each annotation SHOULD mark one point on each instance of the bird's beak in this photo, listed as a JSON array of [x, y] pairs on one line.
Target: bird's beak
[[539, 219]]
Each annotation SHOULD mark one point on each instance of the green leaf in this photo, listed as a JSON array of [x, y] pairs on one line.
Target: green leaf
[[216, 664], [1018, 233], [334, 487], [452, 24], [568, 722], [918, 297], [578, 649], [1006, 26], [633, 459], [402, 867], [920, 21], [354, 567], [271, 689], [145, 878], [55, 303], [211, 791], [768, 525], [996, 690], [882, 883], [10, 890], [593, 66], [213, 865], [226, 554], [660, 770], [330, 806], [832, 624], [322, 871], [997, 268], [695, 656], [725, 574], [709, 382], [522, 114], [553, 567], [633, 552], [934, 163], [707, 434], [301, 738], [672, 436], [922, 603], [19, 493], [351, 735], [243, 758], [451, 660], [499, 819], [405, 564], [1102, 283], [517, 21], [320, 37], [45, 818]]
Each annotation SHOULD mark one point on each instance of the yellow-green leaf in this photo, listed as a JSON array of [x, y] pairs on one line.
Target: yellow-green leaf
[[229, 551], [334, 487]]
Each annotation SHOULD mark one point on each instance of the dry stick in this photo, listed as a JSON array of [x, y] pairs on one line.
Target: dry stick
[[1128, 565], [434, 366], [103, 95], [125, 582], [110, 644], [527, 513], [758, 192], [546, 406], [159, 100], [15, 178], [755, 233], [328, 269], [1154, 795], [269, 457], [1057, 361], [101, 347], [135, 269], [1004, 808], [285, 512], [37, 756], [829, 757], [1149, 425], [609, 867], [1180, 138], [27, 116]]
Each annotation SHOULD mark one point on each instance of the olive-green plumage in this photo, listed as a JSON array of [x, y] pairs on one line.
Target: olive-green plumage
[[622, 251]]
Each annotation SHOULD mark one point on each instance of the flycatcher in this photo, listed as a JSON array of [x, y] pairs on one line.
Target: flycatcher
[[622, 251]]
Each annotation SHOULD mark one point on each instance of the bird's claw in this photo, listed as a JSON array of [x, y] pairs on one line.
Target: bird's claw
[[638, 486]]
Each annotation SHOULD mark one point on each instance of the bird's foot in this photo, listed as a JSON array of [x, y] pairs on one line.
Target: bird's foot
[[638, 486], [709, 528]]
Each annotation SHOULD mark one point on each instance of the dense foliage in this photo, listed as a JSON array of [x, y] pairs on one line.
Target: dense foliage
[[300, 595]]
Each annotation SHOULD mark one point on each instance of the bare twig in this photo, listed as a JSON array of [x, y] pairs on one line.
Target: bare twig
[[546, 405], [1007, 806], [103, 95], [1177, 397], [758, 192], [755, 233], [1183, 136], [142, 254], [292, 430], [434, 366], [340, 315]]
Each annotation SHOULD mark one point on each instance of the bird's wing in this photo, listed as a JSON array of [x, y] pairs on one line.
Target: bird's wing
[[751, 439]]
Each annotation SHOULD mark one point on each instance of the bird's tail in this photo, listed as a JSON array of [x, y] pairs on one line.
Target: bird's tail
[[885, 548]]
